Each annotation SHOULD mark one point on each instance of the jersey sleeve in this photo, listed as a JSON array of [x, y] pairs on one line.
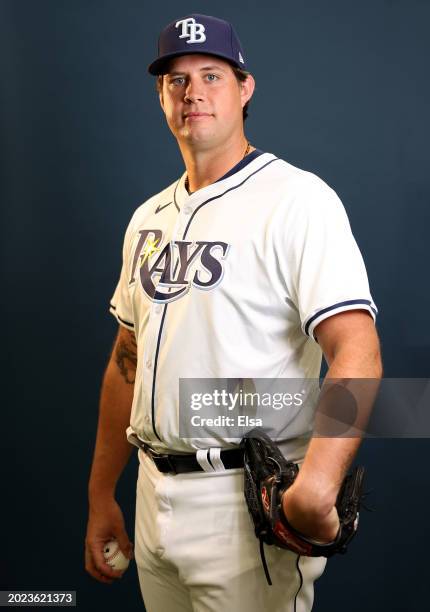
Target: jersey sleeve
[[120, 304], [328, 271]]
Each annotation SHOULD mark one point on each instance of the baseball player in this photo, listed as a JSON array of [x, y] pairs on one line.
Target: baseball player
[[243, 267]]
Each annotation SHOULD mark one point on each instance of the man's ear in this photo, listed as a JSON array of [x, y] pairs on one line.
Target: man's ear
[[247, 89], [160, 97], [160, 92]]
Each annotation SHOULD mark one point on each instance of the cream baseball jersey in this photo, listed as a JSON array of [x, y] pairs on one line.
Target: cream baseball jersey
[[230, 282]]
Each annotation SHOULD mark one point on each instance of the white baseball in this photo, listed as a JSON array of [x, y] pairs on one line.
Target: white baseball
[[114, 556]]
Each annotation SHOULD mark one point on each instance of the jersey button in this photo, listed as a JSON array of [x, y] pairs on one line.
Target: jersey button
[[149, 364], [147, 419], [188, 210], [158, 309]]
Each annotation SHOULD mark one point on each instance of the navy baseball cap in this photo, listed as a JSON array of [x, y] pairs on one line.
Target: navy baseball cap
[[198, 34]]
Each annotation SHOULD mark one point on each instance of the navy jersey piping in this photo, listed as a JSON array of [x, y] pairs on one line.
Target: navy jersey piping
[[241, 164], [154, 376], [174, 195], [160, 331], [224, 192], [120, 318], [338, 305]]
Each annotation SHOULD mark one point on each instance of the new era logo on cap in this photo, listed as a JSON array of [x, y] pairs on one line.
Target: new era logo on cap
[[198, 34], [192, 30]]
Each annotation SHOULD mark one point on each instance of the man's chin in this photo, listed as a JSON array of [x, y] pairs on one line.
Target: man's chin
[[199, 138]]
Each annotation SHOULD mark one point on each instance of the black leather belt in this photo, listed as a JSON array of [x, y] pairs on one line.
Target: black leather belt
[[179, 464]]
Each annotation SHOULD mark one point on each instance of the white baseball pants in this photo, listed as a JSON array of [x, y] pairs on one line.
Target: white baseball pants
[[196, 550]]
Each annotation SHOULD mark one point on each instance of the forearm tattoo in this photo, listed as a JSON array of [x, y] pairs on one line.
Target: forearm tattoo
[[126, 358]]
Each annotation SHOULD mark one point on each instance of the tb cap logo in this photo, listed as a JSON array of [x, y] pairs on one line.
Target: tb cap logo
[[195, 33], [191, 29]]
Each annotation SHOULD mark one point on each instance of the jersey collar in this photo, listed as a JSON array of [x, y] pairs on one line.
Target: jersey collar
[[244, 166]]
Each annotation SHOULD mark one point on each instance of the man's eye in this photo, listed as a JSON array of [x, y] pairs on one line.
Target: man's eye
[[211, 77], [178, 81]]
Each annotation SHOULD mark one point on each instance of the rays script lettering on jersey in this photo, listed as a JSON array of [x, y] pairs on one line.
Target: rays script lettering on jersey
[[174, 263]]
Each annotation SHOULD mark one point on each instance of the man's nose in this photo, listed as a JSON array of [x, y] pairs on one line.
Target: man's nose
[[193, 91]]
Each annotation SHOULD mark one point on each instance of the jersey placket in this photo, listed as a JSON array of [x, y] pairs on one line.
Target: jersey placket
[[188, 204]]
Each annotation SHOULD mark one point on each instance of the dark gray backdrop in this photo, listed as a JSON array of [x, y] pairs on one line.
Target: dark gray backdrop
[[343, 91]]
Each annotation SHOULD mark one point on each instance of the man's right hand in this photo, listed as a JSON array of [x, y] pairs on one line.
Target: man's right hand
[[111, 454], [105, 523]]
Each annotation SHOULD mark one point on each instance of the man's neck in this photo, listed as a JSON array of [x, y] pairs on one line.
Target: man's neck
[[206, 167]]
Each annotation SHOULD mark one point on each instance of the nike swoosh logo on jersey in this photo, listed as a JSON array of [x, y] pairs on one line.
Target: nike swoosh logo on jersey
[[161, 207]]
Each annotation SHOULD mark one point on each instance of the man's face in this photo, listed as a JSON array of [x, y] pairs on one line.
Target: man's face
[[203, 100]]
